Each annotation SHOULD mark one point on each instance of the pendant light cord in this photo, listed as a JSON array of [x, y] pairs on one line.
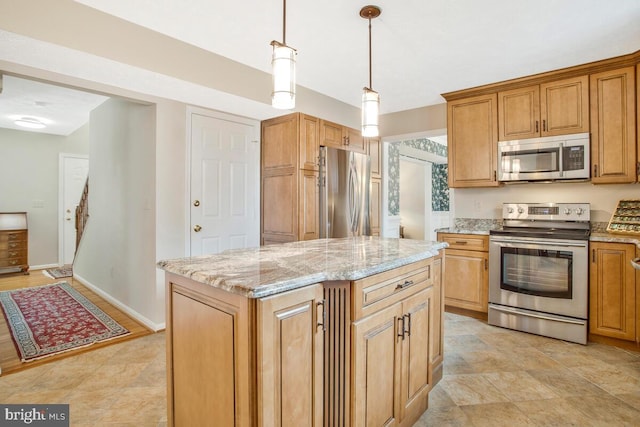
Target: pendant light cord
[[284, 22], [370, 81]]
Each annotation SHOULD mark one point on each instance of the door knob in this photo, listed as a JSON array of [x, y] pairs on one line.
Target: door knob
[[197, 228], [196, 203]]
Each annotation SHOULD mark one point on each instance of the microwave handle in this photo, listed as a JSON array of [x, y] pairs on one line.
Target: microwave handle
[[561, 159]]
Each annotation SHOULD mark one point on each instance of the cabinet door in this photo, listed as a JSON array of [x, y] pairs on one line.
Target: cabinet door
[[206, 366], [612, 299], [375, 153], [331, 134], [519, 113], [309, 142], [613, 130], [374, 208], [466, 279], [290, 357], [414, 377], [308, 212], [472, 127], [376, 368], [436, 339], [280, 216], [564, 106], [355, 141]]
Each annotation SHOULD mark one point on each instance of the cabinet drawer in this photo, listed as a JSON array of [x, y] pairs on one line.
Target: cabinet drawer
[[12, 236], [469, 242], [13, 262], [381, 290], [13, 253]]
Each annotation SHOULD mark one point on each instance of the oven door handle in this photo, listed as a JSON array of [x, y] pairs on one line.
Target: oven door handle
[[511, 241], [510, 310]]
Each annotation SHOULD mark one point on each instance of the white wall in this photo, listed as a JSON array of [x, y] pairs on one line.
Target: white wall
[[487, 202], [412, 197], [118, 250], [29, 164]]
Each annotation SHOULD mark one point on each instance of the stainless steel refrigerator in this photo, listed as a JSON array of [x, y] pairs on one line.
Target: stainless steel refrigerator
[[344, 193]]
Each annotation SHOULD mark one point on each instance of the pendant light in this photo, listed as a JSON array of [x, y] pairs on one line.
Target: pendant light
[[283, 62], [370, 98]]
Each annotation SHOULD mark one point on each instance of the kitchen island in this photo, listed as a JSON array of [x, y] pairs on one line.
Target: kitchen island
[[323, 332]]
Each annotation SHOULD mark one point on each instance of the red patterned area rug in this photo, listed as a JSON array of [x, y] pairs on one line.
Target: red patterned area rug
[[51, 319]]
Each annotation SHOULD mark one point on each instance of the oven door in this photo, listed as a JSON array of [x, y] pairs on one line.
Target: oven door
[[545, 275]]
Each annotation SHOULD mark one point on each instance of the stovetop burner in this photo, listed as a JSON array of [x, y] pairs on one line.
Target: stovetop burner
[[566, 221]]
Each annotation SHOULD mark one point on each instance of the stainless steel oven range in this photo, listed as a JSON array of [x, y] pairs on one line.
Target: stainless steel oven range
[[538, 270]]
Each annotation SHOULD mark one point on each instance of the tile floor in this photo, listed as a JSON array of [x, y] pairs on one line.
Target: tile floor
[[492, 377]]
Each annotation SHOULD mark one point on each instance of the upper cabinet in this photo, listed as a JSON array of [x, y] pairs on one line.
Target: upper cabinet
[[613, 130], [600, 98], [472, 128], [555, 108], [338, 136]]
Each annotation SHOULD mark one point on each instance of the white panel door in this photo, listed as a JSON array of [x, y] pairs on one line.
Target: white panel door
[[74, 171], [225, 184]]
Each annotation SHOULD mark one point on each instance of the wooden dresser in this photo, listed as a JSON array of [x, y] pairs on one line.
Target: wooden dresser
[[14, 241]]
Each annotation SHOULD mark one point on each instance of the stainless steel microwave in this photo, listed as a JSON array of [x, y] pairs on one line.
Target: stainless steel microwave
[[544, 159]]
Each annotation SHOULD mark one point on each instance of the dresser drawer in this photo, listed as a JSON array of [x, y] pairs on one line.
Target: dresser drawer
[[381, 290], [13, 262], [13, 253], [469, 242], [12, 237]]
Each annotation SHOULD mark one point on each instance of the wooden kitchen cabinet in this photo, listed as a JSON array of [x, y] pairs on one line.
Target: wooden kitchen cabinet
[[554, 108], [466, 276], [613, 126], [338, 136], [392, 346], [289, 179], [211, 352], [375, 153], [472, 129], [613, 302], [374, 205], [14, 242]]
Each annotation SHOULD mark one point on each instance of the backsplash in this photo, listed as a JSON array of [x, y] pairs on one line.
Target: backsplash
[[440, 189]]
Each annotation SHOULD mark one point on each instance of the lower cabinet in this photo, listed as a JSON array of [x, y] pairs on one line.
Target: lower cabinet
[[360, 353], [466, 276], [613, 300]]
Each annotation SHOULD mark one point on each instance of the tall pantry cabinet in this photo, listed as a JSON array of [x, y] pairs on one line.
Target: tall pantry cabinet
[[289, 179]]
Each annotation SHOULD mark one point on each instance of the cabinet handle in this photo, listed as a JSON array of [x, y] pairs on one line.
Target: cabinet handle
[[406, 284], [401, 327], [461, 242], [638, 168], [537, 126], [544, 125], [595, 171], [486, 264], [408, 330], [324, 316], [593, 255], [495, 176]]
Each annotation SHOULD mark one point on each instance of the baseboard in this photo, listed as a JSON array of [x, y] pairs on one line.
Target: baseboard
[[155, 327], [43, 266]]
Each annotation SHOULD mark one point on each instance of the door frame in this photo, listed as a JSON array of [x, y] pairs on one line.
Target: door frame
[[191, 110], [61, 198]]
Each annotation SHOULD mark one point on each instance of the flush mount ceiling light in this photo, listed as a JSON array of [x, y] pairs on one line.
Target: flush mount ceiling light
[[370, 98], [29, 122], [284, 69]]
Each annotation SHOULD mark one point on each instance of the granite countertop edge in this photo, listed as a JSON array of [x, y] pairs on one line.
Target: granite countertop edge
[[253, 286]]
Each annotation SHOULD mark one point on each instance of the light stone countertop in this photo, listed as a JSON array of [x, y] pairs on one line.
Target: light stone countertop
[[615, 238], [272, 269]]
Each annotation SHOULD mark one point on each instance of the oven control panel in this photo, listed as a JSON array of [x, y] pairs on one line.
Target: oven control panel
[[547, 211]]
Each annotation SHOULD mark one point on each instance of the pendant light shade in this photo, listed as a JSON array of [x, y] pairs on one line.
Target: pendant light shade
[[370, 111], [283, 63], [370, 98], [284, 76]]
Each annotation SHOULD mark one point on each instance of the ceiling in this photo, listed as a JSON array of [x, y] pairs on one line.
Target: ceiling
[[421, 48]]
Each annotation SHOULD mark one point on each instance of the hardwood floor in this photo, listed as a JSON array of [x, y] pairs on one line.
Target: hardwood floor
[[10, 360]]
